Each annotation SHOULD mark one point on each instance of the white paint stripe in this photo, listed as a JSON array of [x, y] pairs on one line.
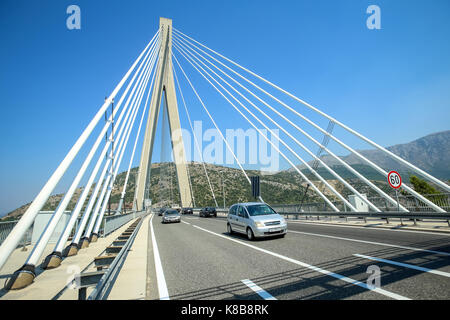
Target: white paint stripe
[[160, 279], [305, 265], [330, 225], [262, 293], [406, 265], [185, 222], [371, 228], [371, 242]]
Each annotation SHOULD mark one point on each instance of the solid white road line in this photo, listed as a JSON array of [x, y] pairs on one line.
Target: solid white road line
[[406, 265], [262, 293], [160, 279], [371, 228], [185, 222], [311, 267], [371, 242]]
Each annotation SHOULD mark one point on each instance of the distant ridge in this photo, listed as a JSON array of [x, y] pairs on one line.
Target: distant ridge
[[430, 153]]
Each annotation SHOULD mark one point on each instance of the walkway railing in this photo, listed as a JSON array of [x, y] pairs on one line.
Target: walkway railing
[[112, 223], [109, 224], [102, 289], [6, 227], [409, 202]]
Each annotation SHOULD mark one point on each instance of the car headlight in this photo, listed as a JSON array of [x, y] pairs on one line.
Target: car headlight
[[259, 224]]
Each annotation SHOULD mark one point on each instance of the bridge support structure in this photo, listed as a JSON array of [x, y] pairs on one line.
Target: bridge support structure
[[164, 89]]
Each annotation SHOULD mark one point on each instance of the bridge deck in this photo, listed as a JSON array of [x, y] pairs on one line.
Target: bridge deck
[[198, 259], [50, 284], [131, 281]]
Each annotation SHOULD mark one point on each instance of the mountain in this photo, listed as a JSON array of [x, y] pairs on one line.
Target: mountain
[[275, 188], [430, 153]]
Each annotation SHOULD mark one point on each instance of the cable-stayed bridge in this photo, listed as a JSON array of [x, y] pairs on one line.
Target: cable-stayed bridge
[[155, 79]]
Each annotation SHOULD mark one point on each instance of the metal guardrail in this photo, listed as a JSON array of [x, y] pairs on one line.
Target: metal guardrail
[[114, 222], [109, 224], [5, 229], [408, 201], [380, 215], [413, 204], [290, 210], [7, 226], [101, 290]]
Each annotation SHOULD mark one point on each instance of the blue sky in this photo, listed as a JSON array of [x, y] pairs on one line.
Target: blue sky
[[392, 85]]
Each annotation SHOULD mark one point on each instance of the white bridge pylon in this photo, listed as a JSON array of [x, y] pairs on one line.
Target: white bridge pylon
[[154, 72], [164, 89]]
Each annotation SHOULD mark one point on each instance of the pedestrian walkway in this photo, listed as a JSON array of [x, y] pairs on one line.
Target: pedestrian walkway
[[50, 284], [131, 281]]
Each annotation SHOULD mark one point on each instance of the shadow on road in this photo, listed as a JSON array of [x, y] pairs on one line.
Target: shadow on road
[[303, 283]]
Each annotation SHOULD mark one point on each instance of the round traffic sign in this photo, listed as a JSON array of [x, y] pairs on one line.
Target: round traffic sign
[[394, 179]]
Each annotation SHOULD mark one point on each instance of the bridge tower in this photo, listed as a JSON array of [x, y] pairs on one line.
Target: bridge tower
[[164, 88]]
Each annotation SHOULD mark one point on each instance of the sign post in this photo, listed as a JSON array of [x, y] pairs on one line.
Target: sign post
[[256, 191], [395, 181]]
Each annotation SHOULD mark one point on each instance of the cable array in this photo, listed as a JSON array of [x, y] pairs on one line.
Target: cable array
[[250, 100], [191, 50]]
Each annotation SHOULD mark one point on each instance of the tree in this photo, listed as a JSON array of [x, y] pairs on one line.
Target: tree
[[422, 187]]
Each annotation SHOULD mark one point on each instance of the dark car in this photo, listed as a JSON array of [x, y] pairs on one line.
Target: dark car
[[161, 211], [208, 212], [187, 211], [171, 215]]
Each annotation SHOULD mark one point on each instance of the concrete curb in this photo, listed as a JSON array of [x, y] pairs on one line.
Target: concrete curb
[[398, 227]]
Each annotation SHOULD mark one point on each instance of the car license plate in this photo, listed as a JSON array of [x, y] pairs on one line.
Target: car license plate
[[275, 230]]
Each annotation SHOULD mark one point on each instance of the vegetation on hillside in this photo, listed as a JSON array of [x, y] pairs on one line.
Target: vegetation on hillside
[[284, 187]]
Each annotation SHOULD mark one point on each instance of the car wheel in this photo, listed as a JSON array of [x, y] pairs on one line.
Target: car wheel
[[230, 231], [250, 234]]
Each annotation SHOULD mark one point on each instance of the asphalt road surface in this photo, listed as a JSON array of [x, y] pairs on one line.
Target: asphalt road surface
[[198, 259]]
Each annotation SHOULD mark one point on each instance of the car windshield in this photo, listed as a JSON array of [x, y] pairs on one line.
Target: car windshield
[[171, 212], [260, 210]]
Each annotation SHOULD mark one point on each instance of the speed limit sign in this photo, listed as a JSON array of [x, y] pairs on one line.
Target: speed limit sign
[[394, 179]]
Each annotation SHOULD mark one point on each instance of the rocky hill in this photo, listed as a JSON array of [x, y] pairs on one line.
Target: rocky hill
[[282, 187], [430, 153]]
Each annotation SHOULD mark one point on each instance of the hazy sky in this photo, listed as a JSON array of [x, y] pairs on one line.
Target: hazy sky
[[392, 85]]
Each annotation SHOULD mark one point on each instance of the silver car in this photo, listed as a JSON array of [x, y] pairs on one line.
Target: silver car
[[171, 215], [256, 220]]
